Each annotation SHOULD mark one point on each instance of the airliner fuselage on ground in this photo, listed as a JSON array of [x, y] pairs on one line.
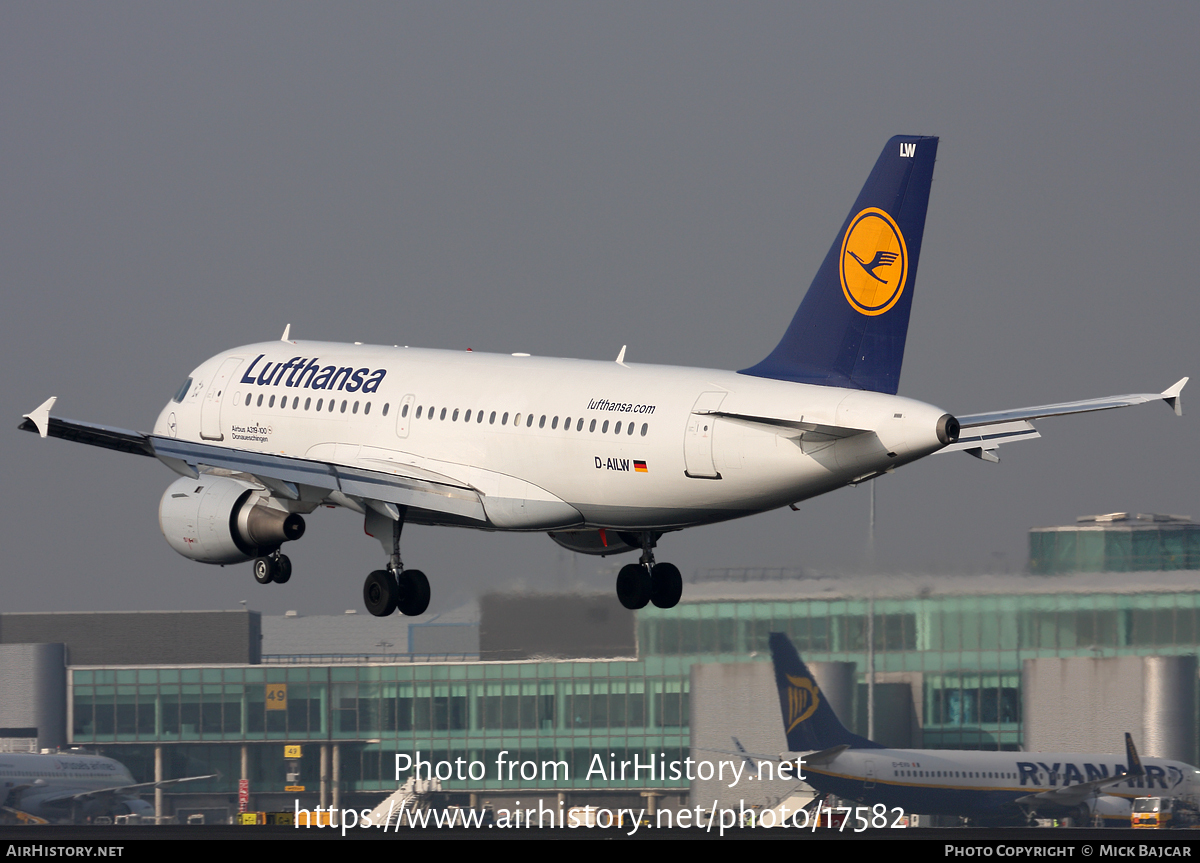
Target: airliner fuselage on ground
[[71, 786], [987, 786], [604, 456]]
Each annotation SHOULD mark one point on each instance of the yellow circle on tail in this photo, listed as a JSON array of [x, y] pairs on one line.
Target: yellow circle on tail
[[874, 263]]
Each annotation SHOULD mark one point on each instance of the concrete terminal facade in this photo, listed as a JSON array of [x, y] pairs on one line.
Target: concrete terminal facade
[[959, 662]]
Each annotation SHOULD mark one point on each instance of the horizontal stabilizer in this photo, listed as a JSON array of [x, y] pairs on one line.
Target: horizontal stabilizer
[[825, 756], [796, 425], [979, 441]]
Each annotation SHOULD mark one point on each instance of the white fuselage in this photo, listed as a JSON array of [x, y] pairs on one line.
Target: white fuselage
[[43, 784], [971, 783], [649, 454]]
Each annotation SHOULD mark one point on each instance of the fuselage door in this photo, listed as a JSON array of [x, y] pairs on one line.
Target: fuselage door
[[869, 776], [404, 416], [210, 409], [697, 441]]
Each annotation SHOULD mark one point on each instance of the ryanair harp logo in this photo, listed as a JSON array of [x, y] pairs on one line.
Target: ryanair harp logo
[[874, 262], [803, 698]]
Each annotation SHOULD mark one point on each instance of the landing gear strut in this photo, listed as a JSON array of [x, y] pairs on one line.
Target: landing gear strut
[[385, 591], [646, 581], [275, 567]]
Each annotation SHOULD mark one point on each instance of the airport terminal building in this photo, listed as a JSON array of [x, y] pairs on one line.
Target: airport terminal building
[[579, 683]]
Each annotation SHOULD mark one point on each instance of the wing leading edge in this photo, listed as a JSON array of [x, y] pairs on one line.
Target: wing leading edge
[[283, 475], [982, 433]]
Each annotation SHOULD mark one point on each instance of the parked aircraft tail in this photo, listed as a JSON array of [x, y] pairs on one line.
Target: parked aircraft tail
[[851, 325], [808, 720]]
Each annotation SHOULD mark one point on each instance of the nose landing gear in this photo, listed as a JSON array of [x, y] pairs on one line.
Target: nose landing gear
[[649, 582]]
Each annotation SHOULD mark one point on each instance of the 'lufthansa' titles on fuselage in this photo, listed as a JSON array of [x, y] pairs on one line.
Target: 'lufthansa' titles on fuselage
[[306, 373]]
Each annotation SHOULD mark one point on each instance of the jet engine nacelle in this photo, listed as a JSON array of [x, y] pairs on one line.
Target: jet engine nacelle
[[223, 520]]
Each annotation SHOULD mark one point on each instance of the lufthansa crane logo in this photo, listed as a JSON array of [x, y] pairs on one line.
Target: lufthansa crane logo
[[803, 700], [874, 262]]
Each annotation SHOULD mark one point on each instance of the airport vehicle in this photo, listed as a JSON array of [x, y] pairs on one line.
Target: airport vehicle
[[66, 786], [985, 786], [605, 457], [1163, 812]]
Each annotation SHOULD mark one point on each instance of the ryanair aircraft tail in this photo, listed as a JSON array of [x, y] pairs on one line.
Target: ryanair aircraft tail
[[851, 326], [808, 720]]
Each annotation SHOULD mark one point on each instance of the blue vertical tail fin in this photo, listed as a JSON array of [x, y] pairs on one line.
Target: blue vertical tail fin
[[808, 720], [851, 326]]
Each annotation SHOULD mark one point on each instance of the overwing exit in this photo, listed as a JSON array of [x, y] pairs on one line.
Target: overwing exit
[[605, 457]]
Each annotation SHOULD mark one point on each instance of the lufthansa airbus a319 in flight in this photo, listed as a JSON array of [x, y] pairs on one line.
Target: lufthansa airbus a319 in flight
[[605, 457]]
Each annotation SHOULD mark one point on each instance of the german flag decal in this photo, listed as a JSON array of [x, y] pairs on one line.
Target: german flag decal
[[639, 466]]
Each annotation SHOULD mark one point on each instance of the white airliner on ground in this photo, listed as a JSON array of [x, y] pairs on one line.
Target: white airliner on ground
[[604, 456], [985, 786], [66, 786]]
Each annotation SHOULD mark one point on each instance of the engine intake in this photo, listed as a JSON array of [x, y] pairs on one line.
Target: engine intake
[[223, 520]]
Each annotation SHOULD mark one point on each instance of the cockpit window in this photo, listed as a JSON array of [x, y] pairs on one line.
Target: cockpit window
[[183, 390]]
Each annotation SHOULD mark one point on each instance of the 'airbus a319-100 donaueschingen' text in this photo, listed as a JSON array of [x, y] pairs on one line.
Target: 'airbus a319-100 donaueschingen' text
[[605, 457]]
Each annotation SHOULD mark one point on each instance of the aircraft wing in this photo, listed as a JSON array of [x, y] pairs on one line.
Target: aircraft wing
[[139, 788], [75, 795], [395, 484], [981, 434], [1069, 795]]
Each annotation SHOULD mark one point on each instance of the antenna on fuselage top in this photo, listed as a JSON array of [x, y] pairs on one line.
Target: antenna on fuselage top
[[286, 332], [621, 356]]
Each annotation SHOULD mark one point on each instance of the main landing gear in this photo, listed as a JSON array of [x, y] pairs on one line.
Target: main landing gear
[[387, 590], [646, 581], [275, 567]]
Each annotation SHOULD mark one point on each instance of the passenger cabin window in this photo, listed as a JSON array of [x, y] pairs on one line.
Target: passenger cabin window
[[529, 421], [554, 423], [604, 428], [271, 403], [542, 422], [454, 416], [385, 408], [419, 409], [249, 396], [567, 424], [504, 419], [492, 418], [579, 425], [644, 427], [592, 426], [307, 404], [404, 411], [443, 415]]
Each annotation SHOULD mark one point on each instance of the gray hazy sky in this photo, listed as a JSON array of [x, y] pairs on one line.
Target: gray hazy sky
[[562, 179]]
